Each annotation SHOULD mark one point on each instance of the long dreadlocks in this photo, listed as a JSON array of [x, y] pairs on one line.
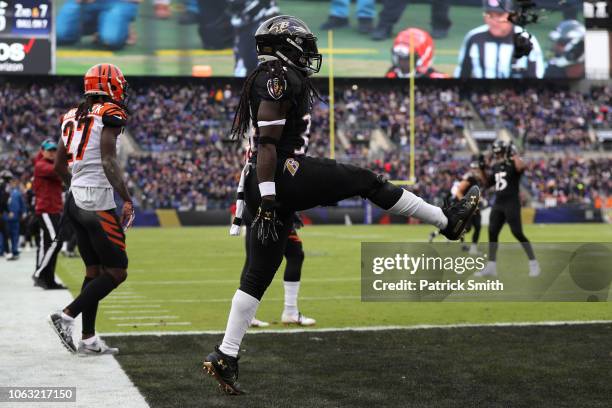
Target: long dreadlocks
[[274, 68], [85, 106]]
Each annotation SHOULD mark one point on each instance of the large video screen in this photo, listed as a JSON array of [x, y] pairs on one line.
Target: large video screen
[[458, 38]]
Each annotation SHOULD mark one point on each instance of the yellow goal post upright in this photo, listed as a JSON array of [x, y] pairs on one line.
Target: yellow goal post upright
[[332, 128], [411, 112]]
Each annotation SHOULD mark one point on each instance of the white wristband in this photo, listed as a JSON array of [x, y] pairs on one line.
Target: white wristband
[[279, 122], [267, 188]]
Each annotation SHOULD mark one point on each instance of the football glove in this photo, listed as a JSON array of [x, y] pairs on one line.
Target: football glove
[[127, 215], [511, 152], [266, 221]]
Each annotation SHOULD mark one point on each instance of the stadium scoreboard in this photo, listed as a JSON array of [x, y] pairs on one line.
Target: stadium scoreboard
[[27, 40]]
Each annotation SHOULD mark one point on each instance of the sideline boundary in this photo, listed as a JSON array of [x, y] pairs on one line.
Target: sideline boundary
[[367, 328]]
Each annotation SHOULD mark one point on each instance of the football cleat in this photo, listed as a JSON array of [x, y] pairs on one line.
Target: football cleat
[[224, 369], [490, 269], [460, 213], [534, 268], [97, 348], [63, 328], [298, 319], [259, 323]]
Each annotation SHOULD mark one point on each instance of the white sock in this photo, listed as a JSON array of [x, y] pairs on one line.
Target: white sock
[[66, 317], [244, 307], [291, 296], [410, 205], [89, 341], [492, 264]]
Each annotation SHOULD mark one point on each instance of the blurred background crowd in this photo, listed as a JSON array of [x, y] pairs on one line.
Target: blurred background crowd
[[181, 156]]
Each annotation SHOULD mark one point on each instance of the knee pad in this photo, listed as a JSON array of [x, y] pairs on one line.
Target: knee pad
[[255, 284]]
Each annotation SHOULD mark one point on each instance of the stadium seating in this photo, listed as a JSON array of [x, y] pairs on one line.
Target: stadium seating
[[185, 160]]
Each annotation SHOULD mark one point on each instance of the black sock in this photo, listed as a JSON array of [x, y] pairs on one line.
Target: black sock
[[89, 313], [528, 250], [93, 292]]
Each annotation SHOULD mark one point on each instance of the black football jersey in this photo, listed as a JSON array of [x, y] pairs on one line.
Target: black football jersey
[[288, 86], [505, 180]]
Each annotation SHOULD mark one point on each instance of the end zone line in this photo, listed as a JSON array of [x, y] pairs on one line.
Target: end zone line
[[367, 328]]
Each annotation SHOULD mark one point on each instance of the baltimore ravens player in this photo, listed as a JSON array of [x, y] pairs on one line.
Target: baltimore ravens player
[[505, 177], [88, 146], [276, 100]]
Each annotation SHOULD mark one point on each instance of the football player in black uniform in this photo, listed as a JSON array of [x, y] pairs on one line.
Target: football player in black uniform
[[505, 176], [474, 177], [276, 100]]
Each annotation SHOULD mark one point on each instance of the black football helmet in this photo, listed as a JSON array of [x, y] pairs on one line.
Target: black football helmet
[[289, 39], [500, 147], [567, 43]]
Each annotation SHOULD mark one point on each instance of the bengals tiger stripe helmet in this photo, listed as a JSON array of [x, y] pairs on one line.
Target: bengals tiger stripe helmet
[[423, 46], [106, 79]]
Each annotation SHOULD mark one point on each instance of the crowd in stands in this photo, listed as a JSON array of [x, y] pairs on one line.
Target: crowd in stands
[[186, 160], [542, 118], [569, 180], [204, 178], [31, 113]]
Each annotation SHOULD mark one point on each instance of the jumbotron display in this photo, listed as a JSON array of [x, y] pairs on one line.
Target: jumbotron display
[[26, 37], [450, 39]]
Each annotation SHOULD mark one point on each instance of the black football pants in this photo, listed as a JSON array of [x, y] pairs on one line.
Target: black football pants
[[294, 255], [303, 183], [510, 213], [48, 248]]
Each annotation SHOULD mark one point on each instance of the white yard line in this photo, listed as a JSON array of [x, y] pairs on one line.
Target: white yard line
[[154, 324], [232, 281], [135, 311], [104, 306], [368, 328], [142, 317], [31, 353]]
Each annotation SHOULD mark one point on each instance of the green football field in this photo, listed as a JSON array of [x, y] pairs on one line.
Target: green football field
[[165, 48], [183, 279]]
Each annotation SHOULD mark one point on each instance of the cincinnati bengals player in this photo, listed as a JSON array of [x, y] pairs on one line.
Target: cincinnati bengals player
[[424, 54], [88, 147]]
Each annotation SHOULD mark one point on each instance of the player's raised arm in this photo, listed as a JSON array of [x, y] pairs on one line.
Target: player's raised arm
[[514, 157], [112, 170]]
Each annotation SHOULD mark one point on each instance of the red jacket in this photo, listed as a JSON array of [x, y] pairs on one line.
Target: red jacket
[[47, 187]]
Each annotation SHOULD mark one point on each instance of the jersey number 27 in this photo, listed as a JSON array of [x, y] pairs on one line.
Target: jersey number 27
[[76, 135]]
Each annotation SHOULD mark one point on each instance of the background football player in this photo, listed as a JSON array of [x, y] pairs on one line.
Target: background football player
[[474, 177], [505, 177], [424, 49], [246, 16], [276, 100], [568, 51], [90, 135]]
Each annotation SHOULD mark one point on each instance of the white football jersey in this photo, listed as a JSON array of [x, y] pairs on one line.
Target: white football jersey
[[82, 141]]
